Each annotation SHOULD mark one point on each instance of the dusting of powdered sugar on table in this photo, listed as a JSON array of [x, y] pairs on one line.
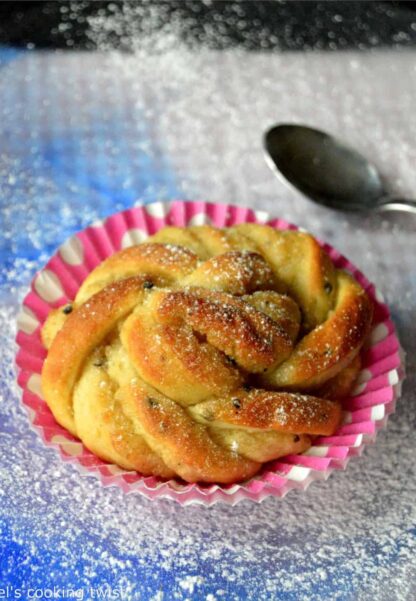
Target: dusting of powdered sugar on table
[[84, 135]]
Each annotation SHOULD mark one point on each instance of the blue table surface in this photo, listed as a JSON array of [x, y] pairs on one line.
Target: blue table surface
[[85, 135]]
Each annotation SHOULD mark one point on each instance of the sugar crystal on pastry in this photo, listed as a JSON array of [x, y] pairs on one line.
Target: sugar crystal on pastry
[[204, 353]]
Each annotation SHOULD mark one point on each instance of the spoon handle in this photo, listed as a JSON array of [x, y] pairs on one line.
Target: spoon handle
[[397, 204]]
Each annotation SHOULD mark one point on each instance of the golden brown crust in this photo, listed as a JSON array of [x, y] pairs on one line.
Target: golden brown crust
[[186, 355], [171, 358], [85, 328], [184, 445], [164, 264], [260, 445], [301, 265], [280, 308], [269, 410], [341, 385], [106, 430], [234, 272], [244, 334], [330, 347]]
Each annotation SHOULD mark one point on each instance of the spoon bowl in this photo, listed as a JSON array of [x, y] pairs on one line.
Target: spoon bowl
[[327, 171]]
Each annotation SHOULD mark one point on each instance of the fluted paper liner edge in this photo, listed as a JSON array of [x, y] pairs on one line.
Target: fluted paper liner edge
[[367, 409]]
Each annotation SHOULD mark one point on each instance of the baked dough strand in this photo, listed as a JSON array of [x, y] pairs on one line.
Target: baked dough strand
[[204, 353]]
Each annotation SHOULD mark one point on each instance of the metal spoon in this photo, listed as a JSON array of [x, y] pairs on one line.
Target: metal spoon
[[327, 171]]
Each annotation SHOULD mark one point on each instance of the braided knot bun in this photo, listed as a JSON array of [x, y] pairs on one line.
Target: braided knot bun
[[204, 353]]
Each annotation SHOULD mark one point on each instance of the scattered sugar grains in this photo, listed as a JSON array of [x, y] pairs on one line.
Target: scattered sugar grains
[[289, 547], [351, 537]]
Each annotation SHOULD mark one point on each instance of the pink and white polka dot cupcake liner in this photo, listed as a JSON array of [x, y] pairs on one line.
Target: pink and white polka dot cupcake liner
[[366, 410]]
